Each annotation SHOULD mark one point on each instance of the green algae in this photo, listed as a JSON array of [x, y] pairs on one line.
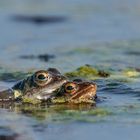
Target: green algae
[[37, 111], [132, 73], [87, 71], [100, 112], [59, 100], [30, 100], [126, 75], [90, 116], [62, 100], [62, 113], [93, 115]]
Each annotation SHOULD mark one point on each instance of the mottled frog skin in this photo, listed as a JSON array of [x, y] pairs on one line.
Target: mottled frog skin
[[40, 85], [77, 91]]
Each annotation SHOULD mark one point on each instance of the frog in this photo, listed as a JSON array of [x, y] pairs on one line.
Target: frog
[[40, 85], [76, 92]]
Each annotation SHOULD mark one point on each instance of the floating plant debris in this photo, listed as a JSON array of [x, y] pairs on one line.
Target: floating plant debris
[[41, 57], [88, 71], [38, 20]]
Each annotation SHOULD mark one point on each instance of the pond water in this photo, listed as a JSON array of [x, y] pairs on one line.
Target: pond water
[[67, 34]]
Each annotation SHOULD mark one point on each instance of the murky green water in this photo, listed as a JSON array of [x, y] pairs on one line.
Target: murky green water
[[104, 34]]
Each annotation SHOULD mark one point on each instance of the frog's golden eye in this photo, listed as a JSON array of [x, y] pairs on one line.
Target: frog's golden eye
[[41, 78], [70, 88]]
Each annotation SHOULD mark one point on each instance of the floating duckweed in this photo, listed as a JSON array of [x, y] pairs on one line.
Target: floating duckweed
[[59, 100], [88, 72], [92, 116], [100, 112], [30, 100], [131, 73], [84, 70], [82, 101]]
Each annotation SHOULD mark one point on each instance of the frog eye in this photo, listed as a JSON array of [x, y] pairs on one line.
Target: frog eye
[[70, 88], [42, 76]]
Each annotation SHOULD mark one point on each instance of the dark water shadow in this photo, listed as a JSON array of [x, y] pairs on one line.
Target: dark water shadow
[[7, 134], [4, 137], [41, 57], [134, 53], [38, 20]]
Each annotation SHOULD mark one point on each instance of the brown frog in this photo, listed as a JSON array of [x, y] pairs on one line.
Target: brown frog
[[77, 91], [40, 86]]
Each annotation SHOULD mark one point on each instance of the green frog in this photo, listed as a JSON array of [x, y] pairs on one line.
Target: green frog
[[40, 86], [77, 91]]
